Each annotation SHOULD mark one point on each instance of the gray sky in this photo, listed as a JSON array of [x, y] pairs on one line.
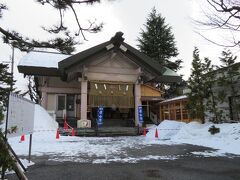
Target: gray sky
[[127, 16]]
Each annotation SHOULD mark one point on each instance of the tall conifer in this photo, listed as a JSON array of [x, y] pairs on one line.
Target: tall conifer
[[197, 88], [6, 84], [158, 42]]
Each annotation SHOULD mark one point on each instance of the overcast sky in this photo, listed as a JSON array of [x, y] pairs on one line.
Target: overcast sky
[[127, 16]]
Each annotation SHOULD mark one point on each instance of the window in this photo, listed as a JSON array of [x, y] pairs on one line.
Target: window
[[178, 114], [70, 102], [60, 102]]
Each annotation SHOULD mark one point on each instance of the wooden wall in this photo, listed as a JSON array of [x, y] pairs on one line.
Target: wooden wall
[[150, 91], [175, 110]]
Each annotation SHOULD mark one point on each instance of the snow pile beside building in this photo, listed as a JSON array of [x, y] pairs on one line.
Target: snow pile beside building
[[43, 121], [166, 129], [227, 140]]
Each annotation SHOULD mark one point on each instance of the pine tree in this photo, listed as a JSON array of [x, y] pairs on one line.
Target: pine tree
[[212, 99], [230, 76], [33, 90], [158, 41], [197, 88], [175, 89], [6, 85]]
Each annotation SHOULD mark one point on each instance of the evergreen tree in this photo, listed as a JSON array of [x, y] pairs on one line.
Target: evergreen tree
[[230, 76], [33, 90], [197, 88], [6, 84], [212, 95], [175, 89], [158, 42]]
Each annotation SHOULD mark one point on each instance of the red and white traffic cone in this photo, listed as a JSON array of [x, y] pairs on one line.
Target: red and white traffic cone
[[73, 132], [156, 133], [144, 132], [65, 125], [57, 134], [22, 138]]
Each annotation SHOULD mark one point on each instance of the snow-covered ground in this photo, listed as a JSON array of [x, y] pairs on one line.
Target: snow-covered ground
[[114, 149], [227, 141]]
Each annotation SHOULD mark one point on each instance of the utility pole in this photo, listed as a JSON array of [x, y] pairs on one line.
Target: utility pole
[[12, 67]]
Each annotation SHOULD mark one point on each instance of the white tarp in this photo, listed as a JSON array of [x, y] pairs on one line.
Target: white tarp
[[20, 115]]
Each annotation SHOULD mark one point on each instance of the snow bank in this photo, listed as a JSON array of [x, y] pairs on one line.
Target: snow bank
[[166, 129], [227, 141], [43, 121]]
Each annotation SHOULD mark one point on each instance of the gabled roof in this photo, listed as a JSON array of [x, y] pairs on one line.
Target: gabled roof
[[162, 74], [81, 56], [52, 64]]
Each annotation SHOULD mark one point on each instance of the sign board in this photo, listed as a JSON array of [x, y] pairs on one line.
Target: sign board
[[20, 115], [100, 116], [140, 114]]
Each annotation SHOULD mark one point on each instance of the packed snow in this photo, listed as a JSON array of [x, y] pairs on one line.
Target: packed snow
[[42, 59], [226, 141], [174, 99], [115, 149], [166, 130], [43, 121]]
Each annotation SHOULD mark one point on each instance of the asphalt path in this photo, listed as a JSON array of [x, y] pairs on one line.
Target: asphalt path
[[185, 166]]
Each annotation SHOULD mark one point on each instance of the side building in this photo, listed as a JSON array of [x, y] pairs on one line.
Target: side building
[[225, 94], [174, 109]]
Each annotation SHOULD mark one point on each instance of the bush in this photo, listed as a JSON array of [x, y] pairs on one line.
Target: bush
[[213, 130]]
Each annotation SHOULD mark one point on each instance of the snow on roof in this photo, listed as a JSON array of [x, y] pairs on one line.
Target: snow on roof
[[174, 99], [170, 72], [42, 59]]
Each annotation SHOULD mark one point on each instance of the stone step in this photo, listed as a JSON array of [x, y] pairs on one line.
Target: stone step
[[105, 131]]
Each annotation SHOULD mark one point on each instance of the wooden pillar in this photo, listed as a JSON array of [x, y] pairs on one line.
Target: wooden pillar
[[84, 87], [137, 93], [181, 108], [175, 111], [44, 100]]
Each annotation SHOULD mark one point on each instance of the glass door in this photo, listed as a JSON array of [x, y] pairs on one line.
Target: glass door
[[70, 105]]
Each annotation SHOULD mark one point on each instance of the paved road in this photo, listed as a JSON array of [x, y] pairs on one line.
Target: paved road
[[186, 167]]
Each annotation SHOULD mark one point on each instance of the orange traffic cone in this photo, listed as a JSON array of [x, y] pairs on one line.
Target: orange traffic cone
[[156, 133], [144, 132], [22, 138], [73, 132], [57, 134]]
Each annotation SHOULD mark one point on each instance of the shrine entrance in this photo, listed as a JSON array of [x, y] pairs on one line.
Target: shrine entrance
[[117, 100]]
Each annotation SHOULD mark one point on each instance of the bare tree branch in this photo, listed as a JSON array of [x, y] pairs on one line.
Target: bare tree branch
[[24, 44], [64, 43], [225, 16]]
